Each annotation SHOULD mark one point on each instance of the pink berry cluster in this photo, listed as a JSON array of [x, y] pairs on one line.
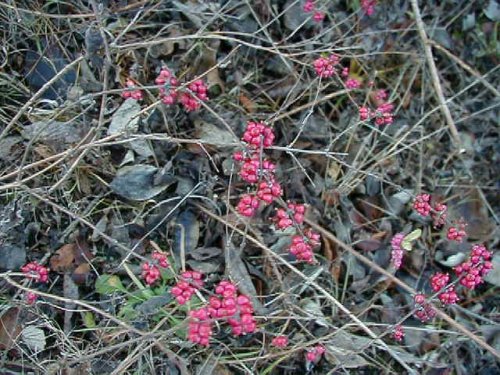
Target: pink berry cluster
[[315, 353], [447, 295], [36, 271], [302, 245], [200, 326], [150, 271], [472, 271], [168, 86], [197, 93], [131, 91], [189, 283], [438, 211], [190, 98], [397, 252], [368, 6], [326, 67], [381, 115], [398, 333], [423, 310], [310, 6], [31, 298], [256, 170], [227, 304], [293, 215], [280, 341], [457, 233]]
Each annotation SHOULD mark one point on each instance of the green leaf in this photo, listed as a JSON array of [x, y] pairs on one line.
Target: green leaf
[[405, 244], [107, 284], [88, 320], [412, 236], [128, 311]]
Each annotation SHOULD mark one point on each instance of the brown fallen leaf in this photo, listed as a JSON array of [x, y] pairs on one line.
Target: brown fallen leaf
[[81, 275], [70, 256], [247, 103], [10, 328], [62, 260]]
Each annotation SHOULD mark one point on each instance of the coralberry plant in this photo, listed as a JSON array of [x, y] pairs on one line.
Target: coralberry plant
[[227, 305], [256, 169], [37, 273], [470, 273], [259, 172], [169, 91], [151, 270]]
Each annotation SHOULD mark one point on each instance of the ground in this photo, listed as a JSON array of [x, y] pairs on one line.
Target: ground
[[280, 153]]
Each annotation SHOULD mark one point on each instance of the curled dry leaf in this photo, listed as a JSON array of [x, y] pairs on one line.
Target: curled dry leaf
[[137, 182], [70, 256], [10, 327]]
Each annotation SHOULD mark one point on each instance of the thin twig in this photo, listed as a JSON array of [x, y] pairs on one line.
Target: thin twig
[[434, 75]]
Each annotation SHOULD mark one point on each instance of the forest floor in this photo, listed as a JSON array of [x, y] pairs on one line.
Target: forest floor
[[227, 187]]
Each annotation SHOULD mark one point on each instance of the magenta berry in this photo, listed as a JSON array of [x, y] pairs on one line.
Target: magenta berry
[[150, 273], [457, 233], [449, 296], [285, 219], [280, 341], [397, 252], [439, 281], [200, 327], [197, 93], [35, 271], [473, 270], [368, 6], [318, 16], [248, 205], [190, 282], [269, 191], [301, 249], [422, 204], [168, 89], [325, 67], [352, 83], [419, 299], [381, 95], [31, 298], [382, 115], [423, 310], [257, 134], [439, 214], [364, 113], [161, 259], [398, 333], [314, 354], [131, 91], [309, 6]]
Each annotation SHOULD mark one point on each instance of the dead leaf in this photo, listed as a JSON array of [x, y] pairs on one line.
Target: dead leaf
[[82, 251], [62, 260], [82, 275], [247, 103], [168, 47], [70, 256], [368, 245], [10, 328], [34, 338], [238, 272]]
